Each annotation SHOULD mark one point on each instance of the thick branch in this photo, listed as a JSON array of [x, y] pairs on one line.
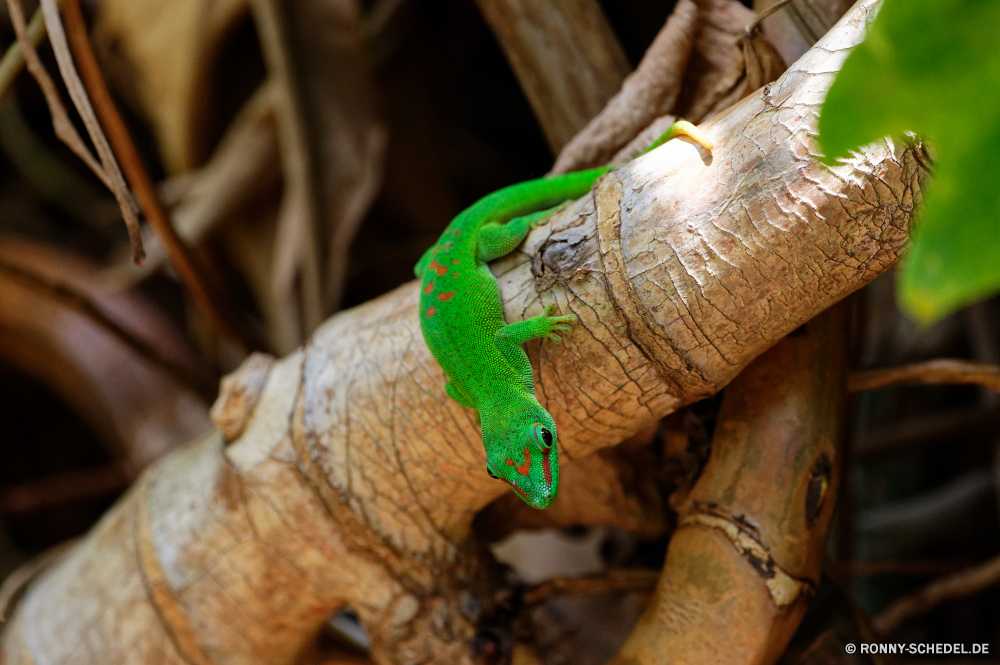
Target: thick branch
[[748, 550]]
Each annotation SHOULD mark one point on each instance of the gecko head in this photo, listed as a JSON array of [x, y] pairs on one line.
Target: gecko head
[[524, 455]]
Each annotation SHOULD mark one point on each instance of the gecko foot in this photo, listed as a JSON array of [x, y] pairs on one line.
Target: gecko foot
[[556, 324]]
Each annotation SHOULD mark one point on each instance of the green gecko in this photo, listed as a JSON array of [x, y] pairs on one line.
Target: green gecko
[[461, 316]]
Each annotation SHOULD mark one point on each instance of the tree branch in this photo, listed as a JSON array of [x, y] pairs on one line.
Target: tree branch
[[960, 584], [748, 550], [928, 373], [207, 297]]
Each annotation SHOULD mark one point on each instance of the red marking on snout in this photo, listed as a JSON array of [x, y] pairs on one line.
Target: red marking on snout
[[429, 288], [445, 297], [517, 489], [547, 467], [524, 468], [430, 312]]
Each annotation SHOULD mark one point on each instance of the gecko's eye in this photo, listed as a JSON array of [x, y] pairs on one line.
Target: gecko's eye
[[492, 475], [543, 437]]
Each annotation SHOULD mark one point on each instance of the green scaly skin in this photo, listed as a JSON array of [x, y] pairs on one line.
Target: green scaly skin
[[461, 316]]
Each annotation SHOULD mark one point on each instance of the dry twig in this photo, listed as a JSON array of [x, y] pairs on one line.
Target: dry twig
[[959, 585], [182, 258], [764, 14], [13, 59], [109, 166], [64, 129], [927, 373]]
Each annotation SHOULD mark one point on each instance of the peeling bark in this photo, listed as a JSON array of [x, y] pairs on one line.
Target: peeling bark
[[702, 62], [648, 92], [355, 478]]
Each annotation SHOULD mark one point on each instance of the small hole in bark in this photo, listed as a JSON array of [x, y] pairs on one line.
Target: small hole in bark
[[818, 488]]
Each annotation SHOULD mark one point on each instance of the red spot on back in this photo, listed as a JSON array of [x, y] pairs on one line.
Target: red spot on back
[[546, 467], [429, 288], [445, 297], [457, 231], [430, 312], [524, 468], [438, 268]]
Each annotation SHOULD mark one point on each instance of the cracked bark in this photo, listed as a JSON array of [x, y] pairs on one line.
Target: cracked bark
[[354, 479]]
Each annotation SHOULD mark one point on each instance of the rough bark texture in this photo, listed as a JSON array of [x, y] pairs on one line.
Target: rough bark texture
[[355, 479], [564, 54]]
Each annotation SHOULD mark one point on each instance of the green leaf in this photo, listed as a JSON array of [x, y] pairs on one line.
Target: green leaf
[[933, 67]]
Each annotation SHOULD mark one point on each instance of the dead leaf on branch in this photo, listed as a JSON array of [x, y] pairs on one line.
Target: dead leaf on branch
[[701, 63], [163, 55], [327, 131]]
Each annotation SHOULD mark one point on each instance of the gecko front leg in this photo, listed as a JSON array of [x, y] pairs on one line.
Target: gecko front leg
[[536, 327], [510, 338]]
